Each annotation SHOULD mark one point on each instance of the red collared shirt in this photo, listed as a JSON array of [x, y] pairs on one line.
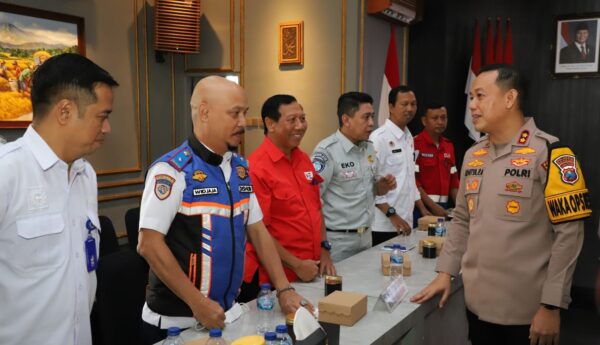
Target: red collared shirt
[[288, 194], [436, 167]]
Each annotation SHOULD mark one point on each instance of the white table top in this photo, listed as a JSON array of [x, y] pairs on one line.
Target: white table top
[[360, 273]]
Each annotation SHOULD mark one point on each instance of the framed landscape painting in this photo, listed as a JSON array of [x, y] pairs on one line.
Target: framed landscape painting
[[28, 37]]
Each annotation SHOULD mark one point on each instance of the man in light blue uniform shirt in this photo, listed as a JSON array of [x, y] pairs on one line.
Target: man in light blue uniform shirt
[[346, 161]]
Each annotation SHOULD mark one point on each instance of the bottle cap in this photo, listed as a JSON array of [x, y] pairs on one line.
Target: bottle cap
[[440, 219], [265, 286], [215, 333], [173, 331], [281, 329], [396, 246], [270, 336]]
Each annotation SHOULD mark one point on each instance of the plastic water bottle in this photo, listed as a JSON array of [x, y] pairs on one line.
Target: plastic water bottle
[[265, 303], [440, 229], [282, 335], [271, 338], [173, 337], [396, 261], [215, 337]]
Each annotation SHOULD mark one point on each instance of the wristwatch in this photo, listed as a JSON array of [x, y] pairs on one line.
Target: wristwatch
[[326, 245], [390, 212]]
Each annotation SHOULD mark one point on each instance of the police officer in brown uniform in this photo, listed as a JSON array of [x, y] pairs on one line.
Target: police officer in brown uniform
[[518, 226]]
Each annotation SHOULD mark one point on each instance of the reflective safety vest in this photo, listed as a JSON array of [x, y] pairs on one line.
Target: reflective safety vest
[[207, 236]]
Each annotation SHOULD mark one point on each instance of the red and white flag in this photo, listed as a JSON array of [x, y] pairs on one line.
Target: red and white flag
[[489, 44], [565, 38], [498, 54], [474, 68], [391, 78], [508, 52]]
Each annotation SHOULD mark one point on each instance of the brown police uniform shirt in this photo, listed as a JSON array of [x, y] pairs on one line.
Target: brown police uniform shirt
[[512, 257]]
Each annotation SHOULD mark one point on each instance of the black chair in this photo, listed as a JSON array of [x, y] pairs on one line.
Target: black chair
[[108, 237], [132, 222], [117, 314]]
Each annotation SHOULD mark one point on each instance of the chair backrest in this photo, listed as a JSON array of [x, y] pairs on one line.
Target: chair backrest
[[108, 237], [132, 221], [117, 314]]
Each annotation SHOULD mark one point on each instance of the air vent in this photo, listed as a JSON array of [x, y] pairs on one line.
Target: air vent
[[177, 26]]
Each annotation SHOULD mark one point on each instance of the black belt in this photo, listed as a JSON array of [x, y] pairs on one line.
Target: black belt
[[348, 230]]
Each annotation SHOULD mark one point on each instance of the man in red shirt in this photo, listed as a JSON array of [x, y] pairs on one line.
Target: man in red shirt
[[287, 188], [437, 177]]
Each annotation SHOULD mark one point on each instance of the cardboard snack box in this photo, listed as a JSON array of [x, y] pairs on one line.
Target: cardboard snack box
[[425, 221], [343, 308]]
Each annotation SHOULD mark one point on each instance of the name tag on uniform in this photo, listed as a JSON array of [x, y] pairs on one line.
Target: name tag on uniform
[[91, 256], [245, 189], [205, 191]]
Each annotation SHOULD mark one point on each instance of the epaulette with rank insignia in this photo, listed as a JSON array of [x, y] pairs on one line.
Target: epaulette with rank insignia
[[566, 195], [180, 159]]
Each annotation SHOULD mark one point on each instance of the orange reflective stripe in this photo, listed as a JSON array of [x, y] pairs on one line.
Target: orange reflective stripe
[[215, 204], [213, 208], [190, 266], [193, 268]]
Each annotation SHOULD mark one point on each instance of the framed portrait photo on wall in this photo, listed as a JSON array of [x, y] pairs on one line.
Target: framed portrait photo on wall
[[576, 46], [28, 37], [291, 43]]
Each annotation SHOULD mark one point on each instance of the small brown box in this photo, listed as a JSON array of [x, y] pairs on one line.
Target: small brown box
[[385, 264], [343, 308], [425, 221]]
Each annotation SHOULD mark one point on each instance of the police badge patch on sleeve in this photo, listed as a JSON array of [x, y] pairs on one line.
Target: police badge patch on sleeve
[[566, 195], [319, 161], [162, 186]]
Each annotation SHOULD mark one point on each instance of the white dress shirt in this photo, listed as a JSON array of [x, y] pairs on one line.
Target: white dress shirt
[[46, 292], [158, 215], [396, 156]]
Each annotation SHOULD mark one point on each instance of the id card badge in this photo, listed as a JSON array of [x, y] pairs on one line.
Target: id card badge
[[91, 257]]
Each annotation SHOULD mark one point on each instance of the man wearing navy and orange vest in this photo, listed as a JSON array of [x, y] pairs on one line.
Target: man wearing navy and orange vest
[[437, 177], [196, 211]]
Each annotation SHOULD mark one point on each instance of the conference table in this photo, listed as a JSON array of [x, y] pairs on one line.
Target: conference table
[[408, 323]]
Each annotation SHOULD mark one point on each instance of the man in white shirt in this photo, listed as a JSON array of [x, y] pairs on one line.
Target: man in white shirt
[[396, 156], [197, 207], [49, 224]]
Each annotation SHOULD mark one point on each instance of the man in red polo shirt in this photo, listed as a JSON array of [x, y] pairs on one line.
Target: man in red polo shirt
[[437, 177], [287, 188]]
